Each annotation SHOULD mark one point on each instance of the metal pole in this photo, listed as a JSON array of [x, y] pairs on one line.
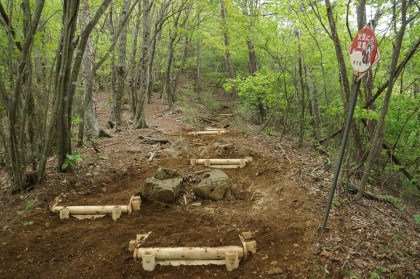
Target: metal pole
[[356, 86]]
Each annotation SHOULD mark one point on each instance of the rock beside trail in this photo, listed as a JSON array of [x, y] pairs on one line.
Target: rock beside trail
[[178, 148], [163, 187], [213, 186]]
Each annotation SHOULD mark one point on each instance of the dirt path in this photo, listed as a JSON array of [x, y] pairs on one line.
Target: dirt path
[[279, 197]]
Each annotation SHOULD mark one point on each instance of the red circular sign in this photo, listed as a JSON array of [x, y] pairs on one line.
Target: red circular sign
[[364, 50]]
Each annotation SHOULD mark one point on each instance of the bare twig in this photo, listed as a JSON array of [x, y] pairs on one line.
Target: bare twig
[[284, 153]]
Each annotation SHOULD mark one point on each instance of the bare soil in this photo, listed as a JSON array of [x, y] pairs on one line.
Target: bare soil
[[280, 197]]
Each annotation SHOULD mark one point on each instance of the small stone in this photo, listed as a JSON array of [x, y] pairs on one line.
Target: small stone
[[196, 204], [275, 271], [274, 263], [296, 245], [326, 254]]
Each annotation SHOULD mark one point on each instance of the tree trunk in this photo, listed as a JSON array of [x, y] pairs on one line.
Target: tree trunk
[[197, 86], [16, 149], [343, 76], [302, 93], [133, 77], [379, 134], [120, 69], [140, 117], [229, 64], [313, 105]]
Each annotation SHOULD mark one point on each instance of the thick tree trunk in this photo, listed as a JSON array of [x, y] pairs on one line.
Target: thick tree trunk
[[140, 117]]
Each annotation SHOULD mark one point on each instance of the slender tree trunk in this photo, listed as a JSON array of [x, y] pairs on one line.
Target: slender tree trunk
[[133, 61], [181, 67], [229, 64], [313, 105], [343, 76], [378, 138], [197, 86], [120, 69], [15, 145], [302, 93]]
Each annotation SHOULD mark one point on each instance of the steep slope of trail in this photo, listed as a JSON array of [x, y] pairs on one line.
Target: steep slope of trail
[[279, 197]]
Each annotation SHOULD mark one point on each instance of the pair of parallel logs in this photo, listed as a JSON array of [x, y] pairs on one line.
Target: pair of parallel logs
[[96, 211], [175, 256], [221, 163], [209, 131]]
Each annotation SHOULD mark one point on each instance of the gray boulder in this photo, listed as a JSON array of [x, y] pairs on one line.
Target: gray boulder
[[178, 148], [163, 187], [213, 186]]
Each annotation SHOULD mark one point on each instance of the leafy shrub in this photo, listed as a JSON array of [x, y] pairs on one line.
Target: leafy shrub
[[71, 160]]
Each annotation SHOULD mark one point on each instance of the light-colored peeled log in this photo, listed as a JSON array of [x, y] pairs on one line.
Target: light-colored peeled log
[[232, 260], [214, 129], [148, 260], [209, 162], [190, 253], [226, 166], [87, 216], [191, 262], [211, 132], [90, 209]]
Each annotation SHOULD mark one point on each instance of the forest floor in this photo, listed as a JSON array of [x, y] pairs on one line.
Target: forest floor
[[280, 197]]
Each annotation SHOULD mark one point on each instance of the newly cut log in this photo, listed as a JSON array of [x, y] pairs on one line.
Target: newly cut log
[[192, 262], [211, 132], [226, 166], [89, 217], [214, 129], [91, 209], [225, 255], [95, 211], [190, 253], [212, 162]]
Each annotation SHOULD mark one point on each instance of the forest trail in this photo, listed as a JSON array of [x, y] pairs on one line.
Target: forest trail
[[279, 197]]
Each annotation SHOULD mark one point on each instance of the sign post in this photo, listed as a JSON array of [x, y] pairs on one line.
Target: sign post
[[364, 53]]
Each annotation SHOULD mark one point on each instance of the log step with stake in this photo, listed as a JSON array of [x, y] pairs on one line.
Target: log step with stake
[[95, 211], [175, 256], [221, 163]]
